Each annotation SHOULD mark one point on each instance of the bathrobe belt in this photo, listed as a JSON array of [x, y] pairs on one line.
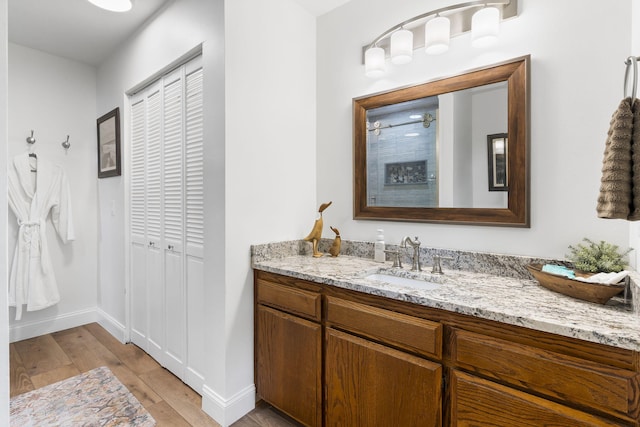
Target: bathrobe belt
[[26, 234]]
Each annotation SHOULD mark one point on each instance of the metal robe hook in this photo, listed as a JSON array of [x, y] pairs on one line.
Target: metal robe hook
[[66, 144], [31, 139], [631, 61]]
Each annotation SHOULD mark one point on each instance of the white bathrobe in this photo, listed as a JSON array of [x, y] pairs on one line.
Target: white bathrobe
[[32, 196]]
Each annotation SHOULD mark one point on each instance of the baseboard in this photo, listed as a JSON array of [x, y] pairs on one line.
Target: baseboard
[[114, 327], [227, 411], [52, 324]]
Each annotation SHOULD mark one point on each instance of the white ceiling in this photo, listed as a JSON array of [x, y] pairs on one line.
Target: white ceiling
[[75, 29], [320, 7], [78, 30]]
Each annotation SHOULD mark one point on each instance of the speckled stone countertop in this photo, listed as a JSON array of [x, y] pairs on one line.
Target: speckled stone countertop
[[505, 295]]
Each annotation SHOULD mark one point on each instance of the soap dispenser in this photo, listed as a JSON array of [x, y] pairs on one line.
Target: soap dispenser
[[378, 247]]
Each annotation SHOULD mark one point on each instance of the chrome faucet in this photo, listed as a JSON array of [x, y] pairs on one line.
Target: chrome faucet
[[415, 244]]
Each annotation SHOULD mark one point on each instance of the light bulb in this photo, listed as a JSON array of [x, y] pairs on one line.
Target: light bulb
[[437, 33], [374, 62], [485, 26], [401, 47]]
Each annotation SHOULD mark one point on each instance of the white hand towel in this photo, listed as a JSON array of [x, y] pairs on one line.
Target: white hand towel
[[605, 278]]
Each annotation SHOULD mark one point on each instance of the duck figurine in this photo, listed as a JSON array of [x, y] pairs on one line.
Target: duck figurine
[[334, 251], [316, 232]]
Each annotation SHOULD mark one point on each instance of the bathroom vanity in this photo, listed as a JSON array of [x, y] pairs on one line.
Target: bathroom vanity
[[335, 348]]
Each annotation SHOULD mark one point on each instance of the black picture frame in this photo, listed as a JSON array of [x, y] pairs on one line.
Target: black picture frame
[[108, 128], [497, 153]]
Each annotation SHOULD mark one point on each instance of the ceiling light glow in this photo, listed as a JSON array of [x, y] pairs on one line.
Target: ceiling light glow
[[113, 5]]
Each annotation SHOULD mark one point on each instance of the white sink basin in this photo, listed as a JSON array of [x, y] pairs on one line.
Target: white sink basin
[[403, 281]]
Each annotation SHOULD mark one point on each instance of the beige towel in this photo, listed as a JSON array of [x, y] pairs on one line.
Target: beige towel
[[615, 199], [635, 160]]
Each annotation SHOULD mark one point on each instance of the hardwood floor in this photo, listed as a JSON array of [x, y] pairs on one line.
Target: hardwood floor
[[44, 360]]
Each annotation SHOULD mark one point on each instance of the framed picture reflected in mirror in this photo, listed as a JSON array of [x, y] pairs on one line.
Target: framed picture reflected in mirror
[[497, 149]]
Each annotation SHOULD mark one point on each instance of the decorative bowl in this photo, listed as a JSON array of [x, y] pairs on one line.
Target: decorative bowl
[[593, 292]]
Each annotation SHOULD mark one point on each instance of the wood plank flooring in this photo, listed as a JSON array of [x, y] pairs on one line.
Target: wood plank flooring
[[44, 360]]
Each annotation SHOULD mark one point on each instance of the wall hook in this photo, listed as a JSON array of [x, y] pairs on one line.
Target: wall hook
[[66, 144], [31, 139]]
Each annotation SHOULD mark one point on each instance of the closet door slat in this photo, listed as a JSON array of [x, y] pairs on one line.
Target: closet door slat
[[194, 152], [138, 187], [154, 166], [173, 159]]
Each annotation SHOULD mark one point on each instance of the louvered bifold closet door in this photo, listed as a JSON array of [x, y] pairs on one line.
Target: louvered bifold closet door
[[155, 280], [194, 231], [137, 205], [167, 222], [174, 221]]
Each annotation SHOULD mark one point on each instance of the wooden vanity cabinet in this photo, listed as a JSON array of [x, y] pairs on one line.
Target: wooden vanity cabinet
[[288, 350], [370, 383], [337, 357]]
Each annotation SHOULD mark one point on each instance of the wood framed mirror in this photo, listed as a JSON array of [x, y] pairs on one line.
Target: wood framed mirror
[[420, 152]]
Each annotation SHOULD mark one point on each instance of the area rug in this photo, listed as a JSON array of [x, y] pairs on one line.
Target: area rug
[[95, 398]]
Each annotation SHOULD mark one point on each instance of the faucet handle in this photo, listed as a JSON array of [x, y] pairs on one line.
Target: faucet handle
[[395, 257], [437, 267]]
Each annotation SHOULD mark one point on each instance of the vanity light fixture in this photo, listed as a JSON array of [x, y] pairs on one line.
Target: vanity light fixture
[[113, 5], [433, 30]]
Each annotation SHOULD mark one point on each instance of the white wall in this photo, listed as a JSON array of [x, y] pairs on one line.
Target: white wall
[[182, 26], [270, 152], [634, 230], [4, 311], [260, 129], [489, 117], [576, 80], [56, 97]]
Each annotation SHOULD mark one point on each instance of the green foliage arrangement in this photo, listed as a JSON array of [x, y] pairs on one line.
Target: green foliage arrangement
[[599, 257]]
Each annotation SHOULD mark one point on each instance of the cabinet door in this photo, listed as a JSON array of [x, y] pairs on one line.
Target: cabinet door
[[368, 384], [194, 226], [289, 364], [478, 402], [138, 322]]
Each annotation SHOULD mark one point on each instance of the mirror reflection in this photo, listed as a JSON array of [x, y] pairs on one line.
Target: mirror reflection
[[451, 150], [432, 152]]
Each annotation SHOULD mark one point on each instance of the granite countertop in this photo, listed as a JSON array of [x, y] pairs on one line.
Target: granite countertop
[[511, 300]]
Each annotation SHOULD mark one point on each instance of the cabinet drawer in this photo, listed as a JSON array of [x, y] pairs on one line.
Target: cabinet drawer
[[295, 301], [478, 402], [400, 330], [565, 378]]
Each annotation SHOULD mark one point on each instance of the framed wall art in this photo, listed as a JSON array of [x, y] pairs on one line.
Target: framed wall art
[[109, 163]]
